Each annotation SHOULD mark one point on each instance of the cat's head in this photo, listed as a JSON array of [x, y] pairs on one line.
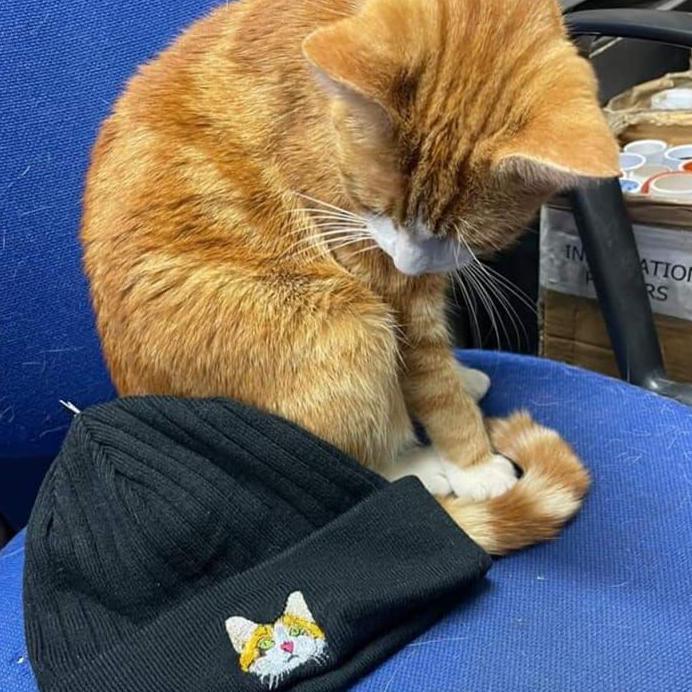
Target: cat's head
[[272, 651], [457, 118]]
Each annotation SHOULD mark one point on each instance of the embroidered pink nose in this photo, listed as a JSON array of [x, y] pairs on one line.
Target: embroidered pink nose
[[287, 647]]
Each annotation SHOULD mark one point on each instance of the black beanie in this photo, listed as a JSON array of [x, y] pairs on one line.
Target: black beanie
[[199, 545]]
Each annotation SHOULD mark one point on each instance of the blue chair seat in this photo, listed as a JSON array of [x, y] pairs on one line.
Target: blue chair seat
[[605, 608]]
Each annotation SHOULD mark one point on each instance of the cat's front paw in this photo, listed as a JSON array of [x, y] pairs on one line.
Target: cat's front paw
[[425, 464], [475, 382], [482, 481]]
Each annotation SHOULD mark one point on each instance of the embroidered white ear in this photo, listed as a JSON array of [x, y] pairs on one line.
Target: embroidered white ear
[[296, 605], [240, 630]]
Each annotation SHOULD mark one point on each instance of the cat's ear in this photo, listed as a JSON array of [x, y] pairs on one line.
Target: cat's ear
[[240, 630], [347, 68], [296, 605], [560, 164], [349, 61], [568, 141]]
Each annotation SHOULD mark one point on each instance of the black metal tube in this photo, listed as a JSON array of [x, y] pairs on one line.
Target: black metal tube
[[615, 265], [673, 28]]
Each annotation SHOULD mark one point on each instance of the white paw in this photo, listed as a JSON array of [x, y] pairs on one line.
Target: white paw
[[425, 464], [475, 382], [482, 481]]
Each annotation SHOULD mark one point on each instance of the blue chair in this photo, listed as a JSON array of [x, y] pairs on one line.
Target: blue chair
[[606, 607]]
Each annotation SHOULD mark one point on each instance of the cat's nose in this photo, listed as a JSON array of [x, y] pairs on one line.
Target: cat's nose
[[287, 647]]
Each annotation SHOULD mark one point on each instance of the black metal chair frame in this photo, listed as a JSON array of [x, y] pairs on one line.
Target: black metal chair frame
[[606, 230]]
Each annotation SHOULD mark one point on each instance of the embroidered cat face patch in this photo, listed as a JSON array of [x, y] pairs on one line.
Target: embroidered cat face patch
[[272, 651]]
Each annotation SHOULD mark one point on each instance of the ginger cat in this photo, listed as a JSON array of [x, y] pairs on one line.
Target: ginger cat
[[275, 205]]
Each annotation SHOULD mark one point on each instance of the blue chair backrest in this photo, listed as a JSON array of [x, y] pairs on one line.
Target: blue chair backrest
[[62, 66]]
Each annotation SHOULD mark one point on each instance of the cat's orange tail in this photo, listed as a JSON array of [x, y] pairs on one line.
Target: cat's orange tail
[[547, 496]]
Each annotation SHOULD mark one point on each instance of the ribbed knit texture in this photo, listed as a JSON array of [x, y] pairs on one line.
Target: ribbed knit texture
[[162, 517]]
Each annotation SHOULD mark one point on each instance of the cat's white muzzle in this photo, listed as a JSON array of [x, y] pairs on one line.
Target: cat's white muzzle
[[418, 253]]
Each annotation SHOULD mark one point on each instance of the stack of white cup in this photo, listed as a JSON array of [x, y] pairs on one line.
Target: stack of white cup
[[651, 167]]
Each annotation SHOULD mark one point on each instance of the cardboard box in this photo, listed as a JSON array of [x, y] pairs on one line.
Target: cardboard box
[[573, 329]]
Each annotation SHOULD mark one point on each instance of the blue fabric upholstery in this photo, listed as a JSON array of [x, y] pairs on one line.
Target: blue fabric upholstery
[[606, 607], [62, 67]]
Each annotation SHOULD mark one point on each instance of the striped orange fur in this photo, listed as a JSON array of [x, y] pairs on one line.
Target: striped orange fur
[[549, 493], [223, 234]]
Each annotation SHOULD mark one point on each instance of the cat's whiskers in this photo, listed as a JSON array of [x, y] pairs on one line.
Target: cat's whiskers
[[311, 214], [490, 292], [322, 209], [324, 241], [321, 220], [339, 224], [510, 287], [470, 303], [320, 202], [319, 239], [491, 307], [347, 243], [510, 310], [492, 298], [370, 248], [327, 231], [453, 286], [488, 305], [457, 283], [337, 228], [318, 245], [496, 284], [314, 233], [468, 295], [485, 299]]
